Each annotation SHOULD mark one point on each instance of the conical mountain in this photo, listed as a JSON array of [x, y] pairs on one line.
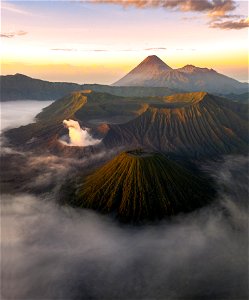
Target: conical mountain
[[139, 185], [145, 73], [190, 124], [153, 72]]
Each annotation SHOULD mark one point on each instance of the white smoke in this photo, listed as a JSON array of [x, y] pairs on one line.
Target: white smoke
[[78, 136]]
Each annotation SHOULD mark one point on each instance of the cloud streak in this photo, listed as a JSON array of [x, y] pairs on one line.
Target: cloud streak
[[82, 50], [216, 9], [13, 8], [63, 49], [10, 35], [106, 50], [240, 24], [156, 48]]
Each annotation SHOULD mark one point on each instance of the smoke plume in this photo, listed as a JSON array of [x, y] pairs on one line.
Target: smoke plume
[[77, 135]]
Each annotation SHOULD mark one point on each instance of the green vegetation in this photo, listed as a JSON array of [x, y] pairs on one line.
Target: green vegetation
[[139, 185]]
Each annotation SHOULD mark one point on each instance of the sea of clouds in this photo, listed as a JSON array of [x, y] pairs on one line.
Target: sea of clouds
[[51, 251]]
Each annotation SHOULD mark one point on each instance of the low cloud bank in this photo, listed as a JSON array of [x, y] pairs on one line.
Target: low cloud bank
[[54, 252], [17, 113]]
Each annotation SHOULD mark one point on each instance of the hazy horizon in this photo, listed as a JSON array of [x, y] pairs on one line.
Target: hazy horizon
[[104, 83], [99, 41]]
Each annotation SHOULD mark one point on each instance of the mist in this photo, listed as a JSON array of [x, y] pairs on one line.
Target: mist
[[53, 252], [17, 113], [50, 251]]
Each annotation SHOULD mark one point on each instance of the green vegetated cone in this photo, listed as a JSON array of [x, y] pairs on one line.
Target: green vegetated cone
[[138, 186]]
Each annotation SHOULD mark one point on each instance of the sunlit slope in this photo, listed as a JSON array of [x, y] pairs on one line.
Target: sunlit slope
[[143, 186], [190, 124], [194, 124], [48, 123], [64, 107], [153, 72], [88, 105]]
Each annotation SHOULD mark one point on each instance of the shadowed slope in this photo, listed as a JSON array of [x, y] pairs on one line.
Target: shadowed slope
[[21, 87], [138, 186], [193, 124]]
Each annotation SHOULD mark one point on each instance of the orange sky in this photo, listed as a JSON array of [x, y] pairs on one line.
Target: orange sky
[[84, 42]]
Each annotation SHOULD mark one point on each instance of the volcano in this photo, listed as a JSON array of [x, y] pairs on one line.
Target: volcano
[[147, 73], [153, 72], [138, 185], [190, 124]]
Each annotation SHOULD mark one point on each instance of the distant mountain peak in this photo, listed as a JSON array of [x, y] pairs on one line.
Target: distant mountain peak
[[155, 62], [189, 67], [151, 67], [153, 59], [192, 69], [21, 75]]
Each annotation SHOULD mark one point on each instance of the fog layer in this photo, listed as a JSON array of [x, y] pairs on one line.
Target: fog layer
[[17, 113], [52, 252], [57, 252]]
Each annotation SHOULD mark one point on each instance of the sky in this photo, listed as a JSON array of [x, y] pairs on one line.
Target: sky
[[99, 41]]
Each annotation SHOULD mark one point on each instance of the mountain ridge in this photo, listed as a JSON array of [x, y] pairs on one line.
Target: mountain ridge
[[188, 78], [196, 124], [23, 87], [196, 127]]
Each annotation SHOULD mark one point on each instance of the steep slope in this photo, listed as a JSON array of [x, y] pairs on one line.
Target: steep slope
[[48, 125], [91, 109], [188, 78], [89, 106], [145, 74], [192, 124], [139, 185]]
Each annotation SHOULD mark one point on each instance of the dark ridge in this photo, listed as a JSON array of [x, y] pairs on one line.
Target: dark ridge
[[22, 87]]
